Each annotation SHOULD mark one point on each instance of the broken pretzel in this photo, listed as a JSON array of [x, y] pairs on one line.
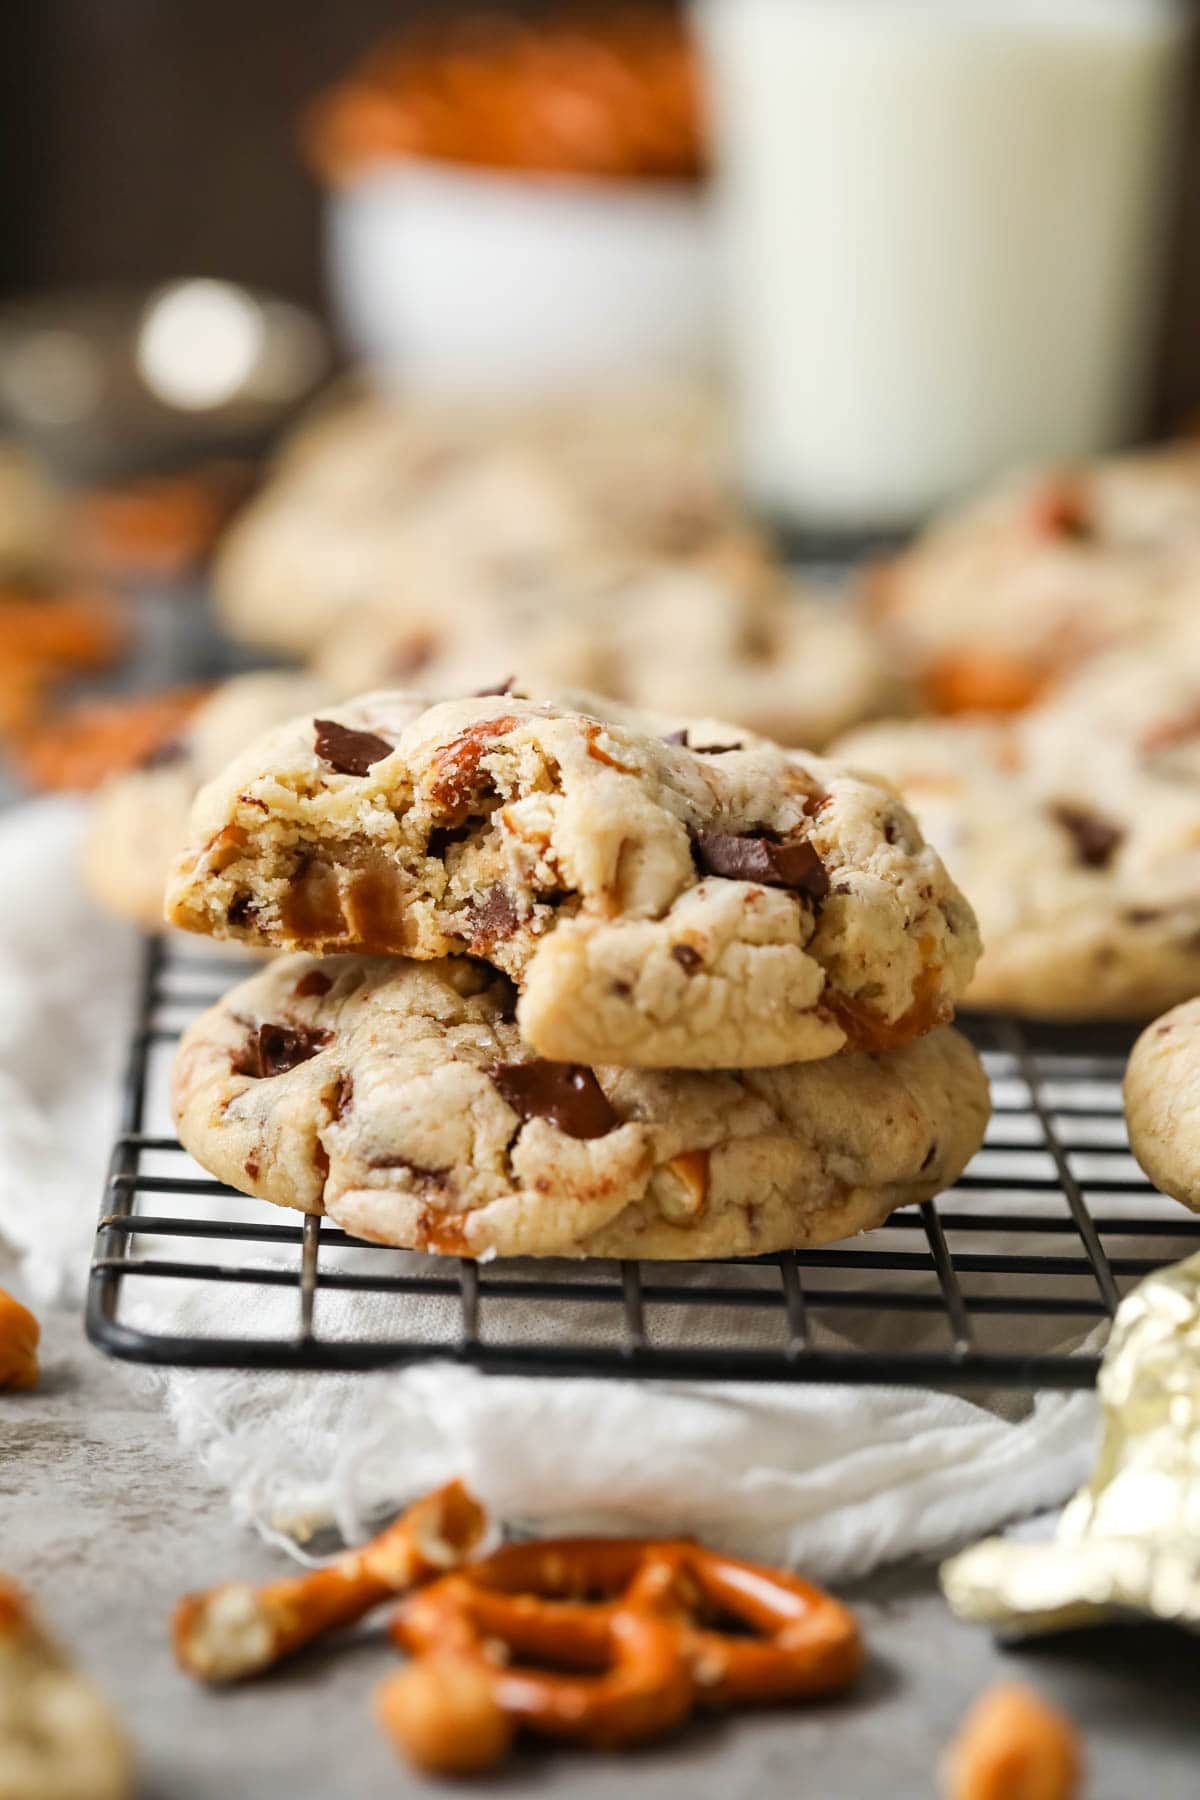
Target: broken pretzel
[[236, 1629], [605, 1642]]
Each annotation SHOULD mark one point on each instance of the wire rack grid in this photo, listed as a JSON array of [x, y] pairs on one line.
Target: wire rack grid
[[1001, 1283]]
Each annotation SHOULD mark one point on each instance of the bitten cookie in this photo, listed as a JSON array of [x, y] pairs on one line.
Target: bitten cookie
[[1000, 599], [400, 1098], [1162, 1103], [1078, 850], [139, 820], [662, 898]]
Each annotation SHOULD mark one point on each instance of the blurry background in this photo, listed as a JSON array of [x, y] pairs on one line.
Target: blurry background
[[141, 140]]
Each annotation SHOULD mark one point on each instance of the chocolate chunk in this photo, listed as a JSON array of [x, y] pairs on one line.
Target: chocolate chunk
[[505, 687], [1096, 839], [566, 1094], [349, 752], [242, 910], [343, 1095], [494, 917], [312, 983], [1144, 915], [164, 755], [677, 737], [274, 1049], [760, 859], [688, 959]]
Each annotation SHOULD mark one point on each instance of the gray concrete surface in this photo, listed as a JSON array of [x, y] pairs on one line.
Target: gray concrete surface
[[107, 1522]]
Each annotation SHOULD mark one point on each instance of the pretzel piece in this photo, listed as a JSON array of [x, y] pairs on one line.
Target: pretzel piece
[[630, 1627], [19, 1334], [1012, 1746], [236, 1630]]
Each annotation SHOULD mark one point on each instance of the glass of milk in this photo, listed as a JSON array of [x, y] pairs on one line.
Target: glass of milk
[[944, 227]]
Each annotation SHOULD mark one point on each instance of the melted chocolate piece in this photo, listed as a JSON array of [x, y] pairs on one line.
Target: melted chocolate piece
[[677, 737], [242, 911], [494, 917], [274, 1049], [1096, 839], [760, 859], [566, 1094], [343, 1096], [312, 983], [505, 687], [688, 959], [349, 752]]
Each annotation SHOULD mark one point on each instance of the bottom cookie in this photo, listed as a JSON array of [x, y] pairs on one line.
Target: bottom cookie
[[399, 1098]]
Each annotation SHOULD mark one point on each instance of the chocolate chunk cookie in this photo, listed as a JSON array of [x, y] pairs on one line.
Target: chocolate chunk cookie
[[740, 643], [1162, 1103], [373, 501], [400, 1098], [1077, 842], [1001, 598], [717, 903]]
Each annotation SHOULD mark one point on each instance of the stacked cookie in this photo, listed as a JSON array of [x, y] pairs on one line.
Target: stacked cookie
[[575, 981]]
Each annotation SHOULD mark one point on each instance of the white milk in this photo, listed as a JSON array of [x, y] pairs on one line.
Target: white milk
[[943, 231]]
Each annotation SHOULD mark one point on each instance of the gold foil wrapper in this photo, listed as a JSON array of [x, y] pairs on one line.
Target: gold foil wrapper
[[1129, 1541]]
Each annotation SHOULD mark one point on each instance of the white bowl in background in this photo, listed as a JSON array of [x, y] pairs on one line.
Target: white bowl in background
[[448, 279]]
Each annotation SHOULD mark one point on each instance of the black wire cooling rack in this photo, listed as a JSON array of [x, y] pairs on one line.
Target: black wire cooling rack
[[1002, 1282]]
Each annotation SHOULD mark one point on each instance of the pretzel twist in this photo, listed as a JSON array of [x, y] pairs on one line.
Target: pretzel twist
[[629, 1624], [236, 1630]]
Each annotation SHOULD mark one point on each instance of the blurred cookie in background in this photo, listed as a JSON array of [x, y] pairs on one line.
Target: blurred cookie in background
[[139, 821], [378, 504], [1084, 871], [1000, 599], [677, 638]]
